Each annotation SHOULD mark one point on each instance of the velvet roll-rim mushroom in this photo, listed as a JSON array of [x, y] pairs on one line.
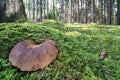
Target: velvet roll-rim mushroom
[[27, 56]]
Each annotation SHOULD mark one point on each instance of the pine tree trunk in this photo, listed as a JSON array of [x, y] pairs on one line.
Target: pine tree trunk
[[109, 11], [92, 10], [44, 8], [53, 9], [39, 10], [118, 12], [2, 10], [71, 10], [62, 11], [33, 9], [85, 11], [101, 12], [29, 13], [66, 12], [47, 10], [81, 9], [104, 12], [78, 11], [13, 10]]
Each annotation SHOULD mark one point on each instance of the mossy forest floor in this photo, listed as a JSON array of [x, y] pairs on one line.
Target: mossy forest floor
[[79, 45]]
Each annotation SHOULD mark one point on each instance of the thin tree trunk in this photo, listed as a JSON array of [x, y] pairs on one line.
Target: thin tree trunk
[[78, 11], [65, 12], [39, 10], [101, 11], [2, 10], [29, 13], [53, 9], [118, 12], [109, 11], [33, 7], [71, 10], [81, 12], [27, 7], [72, 3], [104, 12], [62, 11], [85, 11], [47, 9], [56, 12], [44, 8], [92, 10]]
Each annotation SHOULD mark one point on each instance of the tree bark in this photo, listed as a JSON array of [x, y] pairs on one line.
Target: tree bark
[[39, 10], [118, 12], [78, 11], [81, 11], [92, 10], [2, 10], [109, 11], [53, 9], [104, 11], [44, 2], [15, 10], [47, 9], [62, 11], [29, 8], [66, 11], [101, 11], [71, 10], [12, 10], [33, 9], [85, 11]]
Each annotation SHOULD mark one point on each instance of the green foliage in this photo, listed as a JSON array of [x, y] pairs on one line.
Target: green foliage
[[89, 75], [79, 51]]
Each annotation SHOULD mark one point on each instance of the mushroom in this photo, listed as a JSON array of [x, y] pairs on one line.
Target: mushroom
[[30, 57], [103, 54]]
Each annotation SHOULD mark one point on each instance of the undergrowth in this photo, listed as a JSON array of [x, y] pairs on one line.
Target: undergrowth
[[79, 51]]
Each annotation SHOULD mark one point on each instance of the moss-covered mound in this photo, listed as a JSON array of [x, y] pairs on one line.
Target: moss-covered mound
[[79, 46]]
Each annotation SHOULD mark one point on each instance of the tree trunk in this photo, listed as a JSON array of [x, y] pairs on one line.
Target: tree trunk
[[53, 9], [104, 11], [29, 9], [92, 10], [47, 9], [71, 10], [12, 10], [62, 11], [39, 10], [2, 10], [85, 11], [78, 11], [109, 11], [33, 9], [44, 1], [81, 11], [65, 12], [118, 12], [101, 11]]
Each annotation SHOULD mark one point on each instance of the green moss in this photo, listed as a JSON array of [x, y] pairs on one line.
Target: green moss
[[79, 51]]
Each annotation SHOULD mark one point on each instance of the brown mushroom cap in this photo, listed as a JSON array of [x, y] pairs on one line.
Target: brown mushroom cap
[[103, 54], [30, 57]]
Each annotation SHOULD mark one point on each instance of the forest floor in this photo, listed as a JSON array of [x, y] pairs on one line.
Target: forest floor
[[79, 45]]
